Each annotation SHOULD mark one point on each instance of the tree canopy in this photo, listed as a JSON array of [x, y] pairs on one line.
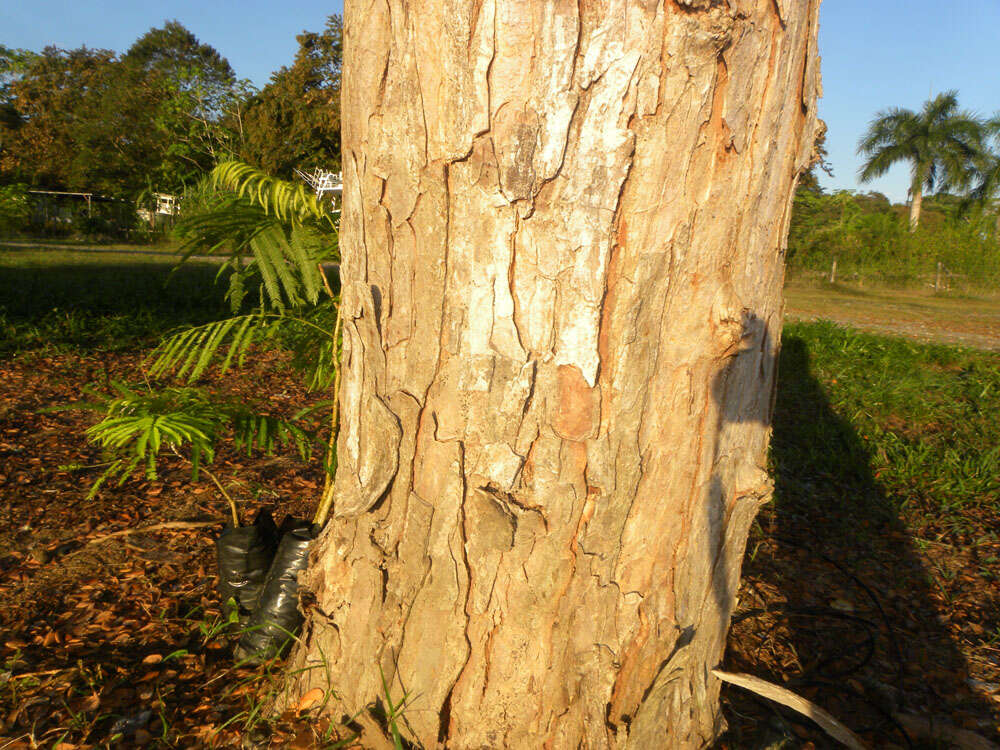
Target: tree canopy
[[987, 167], [294, 122], [161, 114]]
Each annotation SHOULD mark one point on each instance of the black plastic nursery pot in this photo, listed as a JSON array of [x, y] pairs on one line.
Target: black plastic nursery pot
[[276, 620], [244, 558]]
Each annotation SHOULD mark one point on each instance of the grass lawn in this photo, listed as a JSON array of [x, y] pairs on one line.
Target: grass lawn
[[922, 418], [59, 298], [871, 582]]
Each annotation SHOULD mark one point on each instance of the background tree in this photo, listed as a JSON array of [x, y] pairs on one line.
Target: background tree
[[13, 63], [294, 122], [88, 120], [160, 115], [58, 90], [562, 267], [939, 143], [987, 179], [190, 94]]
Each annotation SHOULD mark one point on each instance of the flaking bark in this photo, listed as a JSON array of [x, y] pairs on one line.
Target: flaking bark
[[563, 242]]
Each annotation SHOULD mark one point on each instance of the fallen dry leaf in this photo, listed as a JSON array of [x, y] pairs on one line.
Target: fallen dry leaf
[[309, 699]]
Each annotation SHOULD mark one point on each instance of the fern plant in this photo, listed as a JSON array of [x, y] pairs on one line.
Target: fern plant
[[138, 426], [275, 237]]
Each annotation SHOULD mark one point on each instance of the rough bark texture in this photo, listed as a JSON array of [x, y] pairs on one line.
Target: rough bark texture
[[562, 241]]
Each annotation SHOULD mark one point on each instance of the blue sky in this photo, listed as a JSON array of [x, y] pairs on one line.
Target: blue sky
[[876, 53]]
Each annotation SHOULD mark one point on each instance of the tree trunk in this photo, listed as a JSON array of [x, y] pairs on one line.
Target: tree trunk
[[916, 199], [563, 241]]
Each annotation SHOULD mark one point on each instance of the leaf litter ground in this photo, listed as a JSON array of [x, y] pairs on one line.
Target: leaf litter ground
[[123, 635], [858, 592]]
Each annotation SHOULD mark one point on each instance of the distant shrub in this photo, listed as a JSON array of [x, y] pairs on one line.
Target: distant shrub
[[15, 208], [870, 240]]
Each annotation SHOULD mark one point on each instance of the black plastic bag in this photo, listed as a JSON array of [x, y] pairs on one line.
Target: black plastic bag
[[277, 619], [244, 557]]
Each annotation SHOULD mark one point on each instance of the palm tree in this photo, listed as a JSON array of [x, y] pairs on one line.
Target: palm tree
[[940, 143], [987, 178]]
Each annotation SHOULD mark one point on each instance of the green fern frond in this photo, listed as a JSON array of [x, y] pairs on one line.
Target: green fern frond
[[290, 202], [143, 424], [269, 228], [265, 432], [136, 427], [188, 353]]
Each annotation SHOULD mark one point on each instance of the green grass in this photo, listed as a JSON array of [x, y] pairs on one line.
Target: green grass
[[878, 426], [58, 299]]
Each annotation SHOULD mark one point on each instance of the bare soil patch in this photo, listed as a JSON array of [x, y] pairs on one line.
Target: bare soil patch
[[944, 317]]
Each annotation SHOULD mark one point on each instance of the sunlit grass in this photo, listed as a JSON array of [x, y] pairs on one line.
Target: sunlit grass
[[59, 299], [913, 423]]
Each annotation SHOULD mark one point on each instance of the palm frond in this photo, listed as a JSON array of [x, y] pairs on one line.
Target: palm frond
[[942, 106], [941, 142]]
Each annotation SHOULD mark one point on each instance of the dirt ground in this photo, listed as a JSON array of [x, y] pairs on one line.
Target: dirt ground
[[945, 317]]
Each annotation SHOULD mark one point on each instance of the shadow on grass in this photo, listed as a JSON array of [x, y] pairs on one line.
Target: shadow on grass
[[113, 306], [835, 603]]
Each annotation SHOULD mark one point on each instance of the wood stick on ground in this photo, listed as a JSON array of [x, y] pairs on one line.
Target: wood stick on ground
[[179, 525], [796, 702]]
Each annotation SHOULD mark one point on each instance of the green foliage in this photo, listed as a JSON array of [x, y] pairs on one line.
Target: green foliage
[[138, 425], [987, 173], [275, 233], [156, 117], [13, 63], [290, 202], [90, 120], [919, 419], [187, 354], [15, 209], [294, 122], [192, 94], [870, 240], [270, 231], [141, 424], [56, 93]]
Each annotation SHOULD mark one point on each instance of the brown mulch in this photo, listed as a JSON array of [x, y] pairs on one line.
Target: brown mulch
[[874, 631], [104, 635]]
